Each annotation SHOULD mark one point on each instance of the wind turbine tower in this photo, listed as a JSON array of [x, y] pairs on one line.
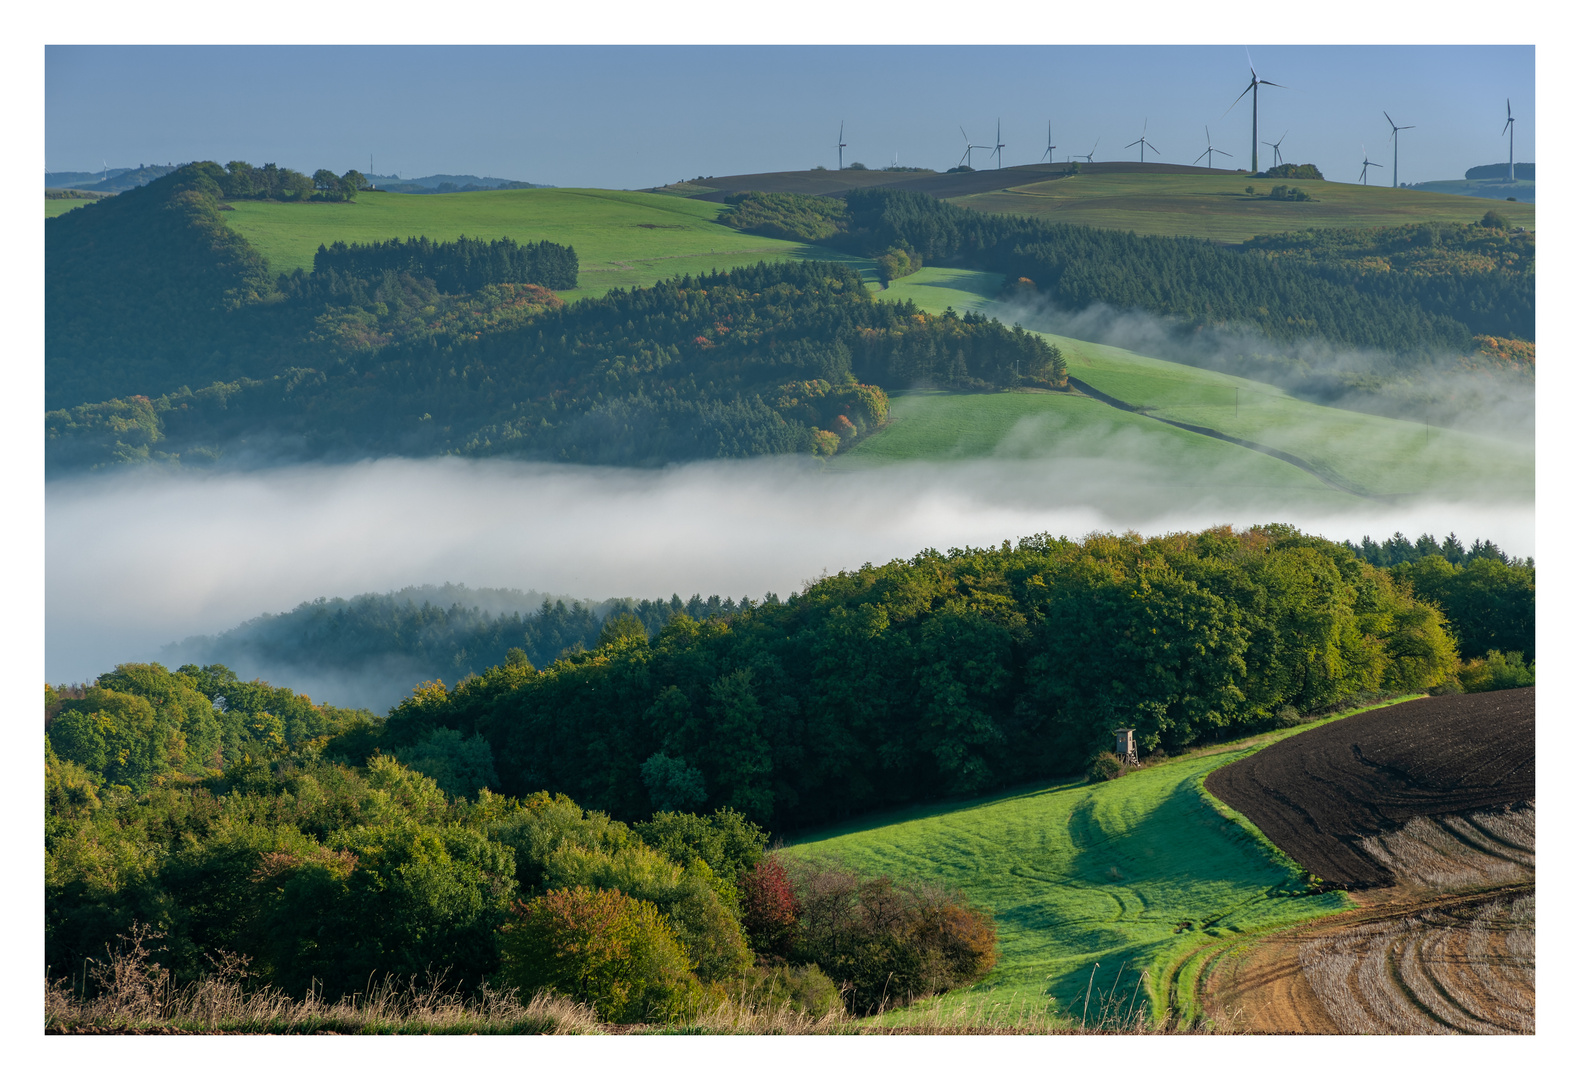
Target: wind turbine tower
[[1211, 150], [1278, 155], [1252, 90], [1394, 138], [1367, 163], [1142, 141], [842, 145], [1509, 127], [965, 159], [1051, 148], [998, 138]]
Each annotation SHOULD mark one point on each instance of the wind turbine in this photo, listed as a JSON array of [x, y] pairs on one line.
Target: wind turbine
[[1394, 138], [998, 150], [1509, 127], [842, 145], [1367, 163], [1251, 89], [1142, 141], [1211, 149], [1278, 155], [1088, 157], [1052, 148], [965, 159]]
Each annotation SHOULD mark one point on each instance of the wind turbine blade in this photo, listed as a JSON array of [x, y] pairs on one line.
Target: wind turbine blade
[[1390, 120], [1236, 101], [964, 136], [1280, 85], [1407, 127], [1509, 107], [1128, 145], [1200, 156], [1225, 153]]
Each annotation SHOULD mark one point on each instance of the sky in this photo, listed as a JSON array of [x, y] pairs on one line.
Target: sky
[[624, 116]]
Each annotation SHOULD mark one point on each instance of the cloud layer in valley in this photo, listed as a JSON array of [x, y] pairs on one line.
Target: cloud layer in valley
[[138, 560]]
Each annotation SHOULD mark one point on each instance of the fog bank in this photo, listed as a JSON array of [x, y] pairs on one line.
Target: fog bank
[[135, 561]]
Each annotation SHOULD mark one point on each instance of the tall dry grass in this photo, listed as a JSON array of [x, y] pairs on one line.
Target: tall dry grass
[[137, 994]]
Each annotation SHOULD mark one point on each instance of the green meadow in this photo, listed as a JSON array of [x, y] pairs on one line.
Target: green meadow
[[1147, 873], [1217, 207], [1374, 455], [622, 238], [57, 207]]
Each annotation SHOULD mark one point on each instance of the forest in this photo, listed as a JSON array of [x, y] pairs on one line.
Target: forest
[[369, 354], [493, 829], [1409, 290]]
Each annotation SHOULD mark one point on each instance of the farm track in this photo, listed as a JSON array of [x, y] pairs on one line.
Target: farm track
[[1324, 796]]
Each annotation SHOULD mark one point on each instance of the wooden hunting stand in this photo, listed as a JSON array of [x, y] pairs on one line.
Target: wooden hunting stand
[[1125, 745]]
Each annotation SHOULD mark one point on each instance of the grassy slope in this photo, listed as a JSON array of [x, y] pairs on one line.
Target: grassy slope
[[622, 239], [57, 207], [1217, 208], [1077, 874], [1378, 455]]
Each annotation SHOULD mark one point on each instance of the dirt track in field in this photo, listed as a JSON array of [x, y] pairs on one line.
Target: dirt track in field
[[1322, 795]]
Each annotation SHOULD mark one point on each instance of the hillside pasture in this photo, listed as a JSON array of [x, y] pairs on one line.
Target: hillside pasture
[[1216, 206], [1087, 450], [1140, 874], [57, 207], [622, 239], [1374, 455]]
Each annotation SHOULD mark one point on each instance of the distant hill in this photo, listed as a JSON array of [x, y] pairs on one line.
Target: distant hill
[[1523, 170], [1498, 187], [79, 179], [110, 181], [443, 183]]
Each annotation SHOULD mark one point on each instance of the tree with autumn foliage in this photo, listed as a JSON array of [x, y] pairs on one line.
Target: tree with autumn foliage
[[768, 908]]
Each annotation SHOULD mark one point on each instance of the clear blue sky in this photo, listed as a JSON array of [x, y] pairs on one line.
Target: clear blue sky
[[637, 116]]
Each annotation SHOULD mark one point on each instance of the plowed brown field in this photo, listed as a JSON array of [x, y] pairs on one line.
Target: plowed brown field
[[1321, 796]]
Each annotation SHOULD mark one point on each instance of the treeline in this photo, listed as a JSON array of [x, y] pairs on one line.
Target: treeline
[[311, 874], [1488, 597], [1290, 288], [455, 266], [1398, 549], [777, 358], [241, 180], [950, 675], [383, 644]]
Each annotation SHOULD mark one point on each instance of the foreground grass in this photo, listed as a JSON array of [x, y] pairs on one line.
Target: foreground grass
[[622, 238], [1112, 886], [1217, 207], [1376, 455]]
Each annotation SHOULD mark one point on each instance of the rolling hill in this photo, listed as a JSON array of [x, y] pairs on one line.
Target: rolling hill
[[1366, 455]]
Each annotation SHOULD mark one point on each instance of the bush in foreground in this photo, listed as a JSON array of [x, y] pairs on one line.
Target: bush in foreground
[[604, 949]]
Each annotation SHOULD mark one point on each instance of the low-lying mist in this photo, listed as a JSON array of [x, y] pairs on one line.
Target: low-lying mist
[[136, 561], [1432, 390]]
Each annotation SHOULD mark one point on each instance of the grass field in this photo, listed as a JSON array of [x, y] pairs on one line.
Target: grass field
[[1147, 873], [1217, 207], [1087, 450], [1374, 455], [622, 239], [57, 207]]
